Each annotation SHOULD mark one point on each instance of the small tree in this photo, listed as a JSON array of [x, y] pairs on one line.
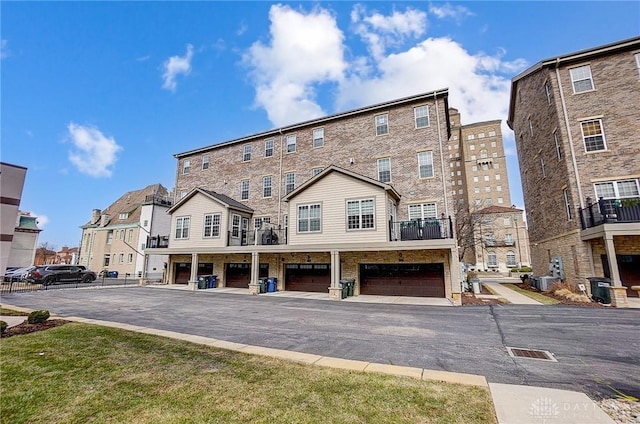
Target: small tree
[[45, 251]]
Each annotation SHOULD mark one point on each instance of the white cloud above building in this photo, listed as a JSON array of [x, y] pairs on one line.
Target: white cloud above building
[[93, 153]]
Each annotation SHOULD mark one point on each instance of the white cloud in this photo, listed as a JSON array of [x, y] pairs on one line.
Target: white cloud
[[94, 153], [143, 58], [4, 49], [175, 66], [380, 32], [41, 220], [446, 10], [242, 29], [305, 49]]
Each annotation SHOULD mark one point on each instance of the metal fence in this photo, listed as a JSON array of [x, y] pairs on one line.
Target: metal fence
[[20, 286]]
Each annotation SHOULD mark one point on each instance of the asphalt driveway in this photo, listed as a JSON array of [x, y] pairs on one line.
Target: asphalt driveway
[[597, 349]]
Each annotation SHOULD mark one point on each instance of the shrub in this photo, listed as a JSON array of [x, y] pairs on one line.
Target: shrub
[[36, 317], [3, 326]]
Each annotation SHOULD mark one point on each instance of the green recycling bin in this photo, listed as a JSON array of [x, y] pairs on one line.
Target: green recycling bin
[[351, 283], [203, 281], [600, 289], [263, 285]]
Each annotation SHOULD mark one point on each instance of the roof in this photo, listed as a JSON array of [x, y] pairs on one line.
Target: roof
[[129, 203], [219, 197], [333, 168], [367, 109], [498, 209], [26, 222], [581, 55]]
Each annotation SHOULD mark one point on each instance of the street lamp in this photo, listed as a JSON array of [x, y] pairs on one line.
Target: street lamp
[[515, 220]]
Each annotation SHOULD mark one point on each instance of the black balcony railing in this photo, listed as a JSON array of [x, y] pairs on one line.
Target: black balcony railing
[[263, 237], [607, 211], [421, 229], [158, 241]]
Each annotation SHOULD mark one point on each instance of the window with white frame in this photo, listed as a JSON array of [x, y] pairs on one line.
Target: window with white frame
[[425, 164], [500, 200], [637, 56], [421, 116], [318, 137], [511, 259], [486, 178], [530, 127], [123, 215], [268, 148], [497, 177], [122, 235], [487, 189], [316, 171], [492, 260], [481, 135], [492, 133], [581, 79], [109, 236], [182, 227], [488, 201], [289, 182], [205, 162], [246, 153], [593, 135], [244, 190], [257, 222], [612, 192], [475, 179], [309, 218], [360, 214], [266, 186], [382, 124], [384, 170], [567, 204], [130, 239], [211, 225], [471, 137], [494, 144], [476, 189], [506, 222], [235, 226], [186, 166], [547, 90], [557, 142], [130, 258], [498, 188], [508, 239], [472, 147], [121, 257], [474, 168], [291, 143], [422, 211]]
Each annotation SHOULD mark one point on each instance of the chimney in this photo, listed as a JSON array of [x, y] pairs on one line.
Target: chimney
[[104, 219], [95, 216]]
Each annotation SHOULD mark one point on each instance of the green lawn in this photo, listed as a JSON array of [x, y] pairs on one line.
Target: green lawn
[[80, 373], [5, 311], [533, 295]]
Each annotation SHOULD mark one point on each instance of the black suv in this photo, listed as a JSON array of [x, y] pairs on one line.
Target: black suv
[[58, 274]]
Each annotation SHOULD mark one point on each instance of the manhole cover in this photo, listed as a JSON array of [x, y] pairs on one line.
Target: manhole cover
[[541, 355]]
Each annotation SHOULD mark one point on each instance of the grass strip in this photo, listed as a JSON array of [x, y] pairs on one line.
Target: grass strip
[[85, 373], [546, 300]]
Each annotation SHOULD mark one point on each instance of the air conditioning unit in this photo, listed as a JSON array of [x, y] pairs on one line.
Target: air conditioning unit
[[546, 282]]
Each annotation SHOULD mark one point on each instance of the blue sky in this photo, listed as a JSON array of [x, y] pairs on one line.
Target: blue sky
[[96, 97]]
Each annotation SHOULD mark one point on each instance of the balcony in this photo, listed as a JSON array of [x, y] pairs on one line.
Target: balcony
[[157, 242], [158, 200], [499, 243], [610, 211], [259, 237], [421, 229]]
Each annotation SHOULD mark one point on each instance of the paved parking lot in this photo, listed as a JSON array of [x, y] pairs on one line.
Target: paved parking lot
[[597, 349]]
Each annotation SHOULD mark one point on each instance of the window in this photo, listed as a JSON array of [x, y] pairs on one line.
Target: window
[[211, 225], [421, 115], [289, 182], [508, 239], [558, 150], [499, 188], [382, 124], [567, 204], [106, 260], [581, 79], [593, 135], [476, 189], [422, 211], [186, 166], [205, 162], [291, 143], [489, 241], [497, 177], [130, 258], [145, 223], [268, 148], [506, 222], [475, 179], [544, 170], [471, 137], [122, 235], [130, 239], [511, 259], [530, 127], [493, 144], [244, 190], [481, 135], [425, 164], [486, 178], [487, 189], [257, 222], [613, 191], [547, 90], [318, 137], [500, 200], [496, 166], [474, 168], [309, 218], [183, 193], [266, 186], [182, 227], [637, 56], [316, 171], [492, 133], [472, 147], [121, 257], [384, 170], [235, 226], [360, 214], [492, 260], [488, 201], [123, 215], [109, 236], [246, 153]]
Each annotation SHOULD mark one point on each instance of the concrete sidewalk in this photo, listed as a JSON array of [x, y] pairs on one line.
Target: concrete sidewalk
[[514, 404], [511, 295]]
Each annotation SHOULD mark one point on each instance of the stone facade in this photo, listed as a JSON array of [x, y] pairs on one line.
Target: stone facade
[[575, 119]]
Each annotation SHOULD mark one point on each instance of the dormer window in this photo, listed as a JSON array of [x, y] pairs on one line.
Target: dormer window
[[123, 215]]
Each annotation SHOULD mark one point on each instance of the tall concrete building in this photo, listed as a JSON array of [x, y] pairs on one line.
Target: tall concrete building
[[11, 185], [576, 123]]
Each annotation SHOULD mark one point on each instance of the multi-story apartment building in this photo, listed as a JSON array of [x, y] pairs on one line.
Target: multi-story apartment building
[[364, 194], [576, 122], [11, 185], [115, 239], [482, 199]]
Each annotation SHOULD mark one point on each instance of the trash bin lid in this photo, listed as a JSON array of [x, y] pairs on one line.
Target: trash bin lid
[[599, 279]]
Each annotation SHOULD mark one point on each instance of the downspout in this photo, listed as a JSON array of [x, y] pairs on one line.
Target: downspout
[[280, 182], [566, 122], [444, 185]]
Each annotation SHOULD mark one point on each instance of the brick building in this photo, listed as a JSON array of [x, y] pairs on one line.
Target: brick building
[[575, 119]]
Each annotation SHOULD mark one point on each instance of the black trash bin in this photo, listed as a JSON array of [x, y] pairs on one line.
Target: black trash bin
[[263, 285], [351, 283], [203, 281], [600, 289], [344, 285]]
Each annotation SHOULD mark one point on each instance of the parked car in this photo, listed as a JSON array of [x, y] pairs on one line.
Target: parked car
[[57, 274], [17, 274]]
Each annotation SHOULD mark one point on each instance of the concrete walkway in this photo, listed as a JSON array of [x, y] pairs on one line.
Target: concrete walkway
[[514, 404], [511, 295]]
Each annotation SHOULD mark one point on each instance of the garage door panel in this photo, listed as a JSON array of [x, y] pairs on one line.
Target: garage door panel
[[238, 275], [420, 280], [308, 277]]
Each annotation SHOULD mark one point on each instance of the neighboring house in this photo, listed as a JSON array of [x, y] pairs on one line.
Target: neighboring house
[[11, 185], [25, 240], [576, 123], [67, 255], [479, 187], [115, 239], [363, 194]]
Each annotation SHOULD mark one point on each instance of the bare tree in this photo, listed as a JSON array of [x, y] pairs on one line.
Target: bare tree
[[468, 224], [45, 251]]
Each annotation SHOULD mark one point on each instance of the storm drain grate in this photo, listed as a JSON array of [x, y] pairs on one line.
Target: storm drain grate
[[541, 355]]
